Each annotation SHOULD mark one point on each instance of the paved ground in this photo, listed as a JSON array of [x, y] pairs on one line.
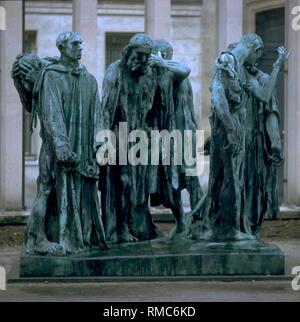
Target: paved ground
[[153, 291]]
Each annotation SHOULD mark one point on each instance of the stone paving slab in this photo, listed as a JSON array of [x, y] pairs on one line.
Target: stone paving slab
[[193, 291]]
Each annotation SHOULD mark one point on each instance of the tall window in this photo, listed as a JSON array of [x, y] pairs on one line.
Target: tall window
[[30, 46], [30, 42], [115, 42]]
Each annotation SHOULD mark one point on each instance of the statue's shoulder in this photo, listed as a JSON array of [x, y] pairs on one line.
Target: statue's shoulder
[[112, 72], [54, 68], [186, 84], [113, 68], [47, 74], [82, 69]]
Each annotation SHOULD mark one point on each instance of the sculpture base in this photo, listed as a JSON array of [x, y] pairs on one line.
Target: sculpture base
[[162, 257]]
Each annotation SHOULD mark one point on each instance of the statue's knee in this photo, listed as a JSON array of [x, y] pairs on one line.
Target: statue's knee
[[40, 202], [46, 187], [125, 181]]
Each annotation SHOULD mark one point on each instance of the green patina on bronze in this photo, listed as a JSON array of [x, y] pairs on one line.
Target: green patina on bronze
[[65, 216], [149, 91], [244, 147]]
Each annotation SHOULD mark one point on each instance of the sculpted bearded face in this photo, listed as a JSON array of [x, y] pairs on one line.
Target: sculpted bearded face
[[137, 60], [163, 48]]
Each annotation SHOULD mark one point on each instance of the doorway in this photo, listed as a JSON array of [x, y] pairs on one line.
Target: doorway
[[270, 25], [115, 42]]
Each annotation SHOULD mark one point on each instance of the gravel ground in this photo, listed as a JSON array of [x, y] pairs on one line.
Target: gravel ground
[[11, 236]]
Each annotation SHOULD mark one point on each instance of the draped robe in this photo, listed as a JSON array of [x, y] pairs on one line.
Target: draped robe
[[67, 103]]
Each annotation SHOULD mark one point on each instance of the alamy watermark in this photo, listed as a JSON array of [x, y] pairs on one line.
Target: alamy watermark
[[296, 280], [2, 18], [296, 20], [2, 279], [152, 148]]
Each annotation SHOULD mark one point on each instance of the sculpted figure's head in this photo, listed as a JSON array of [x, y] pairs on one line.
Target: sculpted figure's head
[[255, 44], [70, 46], [163, 48], [137, 53]]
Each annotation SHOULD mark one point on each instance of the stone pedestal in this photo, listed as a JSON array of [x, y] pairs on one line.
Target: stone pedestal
[[162, 258]]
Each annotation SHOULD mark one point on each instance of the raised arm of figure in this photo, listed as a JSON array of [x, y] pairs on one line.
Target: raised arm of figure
[[181, 71], [264, 92]]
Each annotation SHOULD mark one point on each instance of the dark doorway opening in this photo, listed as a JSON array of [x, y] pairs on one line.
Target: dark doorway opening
[[270, 25], [114, 44]]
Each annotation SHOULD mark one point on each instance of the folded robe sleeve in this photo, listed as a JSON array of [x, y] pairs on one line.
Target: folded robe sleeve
[[51, 112]]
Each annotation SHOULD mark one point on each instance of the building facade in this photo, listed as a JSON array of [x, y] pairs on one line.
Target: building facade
[[197, 29]]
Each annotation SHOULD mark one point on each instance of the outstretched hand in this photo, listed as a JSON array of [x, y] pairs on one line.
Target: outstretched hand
[[283, 54]]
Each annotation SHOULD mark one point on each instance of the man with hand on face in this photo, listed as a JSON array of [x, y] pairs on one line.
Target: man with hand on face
[[128, 93], [65, 216], [133, 93], [173, 110]]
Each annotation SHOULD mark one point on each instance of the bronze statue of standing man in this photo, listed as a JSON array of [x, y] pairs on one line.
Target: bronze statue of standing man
[[65, 216]]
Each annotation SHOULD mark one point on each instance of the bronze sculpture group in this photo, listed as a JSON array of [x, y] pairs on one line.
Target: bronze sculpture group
[[148, 91]]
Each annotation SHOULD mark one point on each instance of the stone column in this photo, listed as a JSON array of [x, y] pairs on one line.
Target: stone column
[[209, 29], [158, 19], [85, 23], [230, 14], [11, 112], [292, 137]]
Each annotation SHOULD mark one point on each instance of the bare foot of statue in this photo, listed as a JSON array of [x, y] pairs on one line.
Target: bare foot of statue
[[229, 235], [127, 238], [179, 229], [49, 248], [30, 245], [238, 236]]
